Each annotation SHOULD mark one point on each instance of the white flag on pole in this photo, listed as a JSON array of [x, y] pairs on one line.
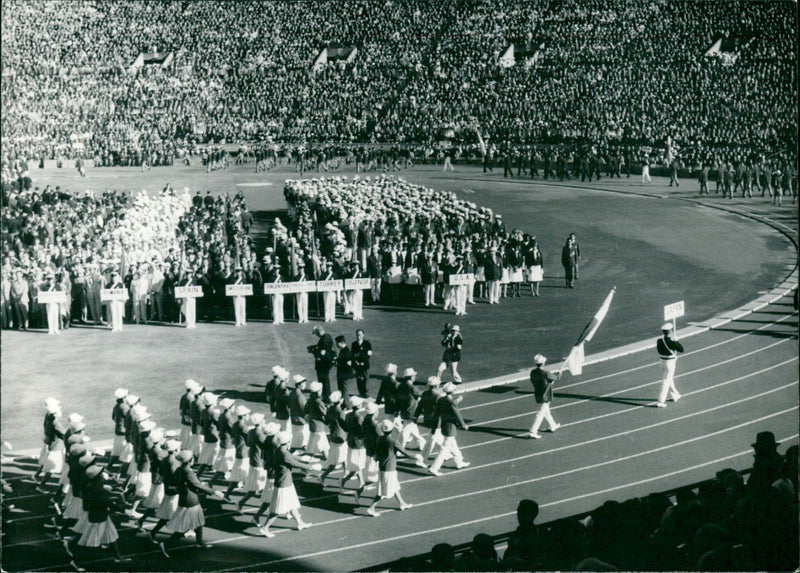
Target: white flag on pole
[[574, 362]]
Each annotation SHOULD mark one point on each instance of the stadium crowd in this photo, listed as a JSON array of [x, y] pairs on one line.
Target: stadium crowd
[[589, 73]]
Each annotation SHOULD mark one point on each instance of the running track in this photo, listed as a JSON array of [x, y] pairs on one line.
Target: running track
[[736, 379]]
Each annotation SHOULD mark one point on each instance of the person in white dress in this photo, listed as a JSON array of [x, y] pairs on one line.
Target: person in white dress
[[239, 302], [116, 308]]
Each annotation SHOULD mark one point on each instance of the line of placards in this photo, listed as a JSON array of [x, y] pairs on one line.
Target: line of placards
[[196, 291]]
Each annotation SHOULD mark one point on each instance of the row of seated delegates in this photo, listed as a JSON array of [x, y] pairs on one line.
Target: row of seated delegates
[[726, 524]]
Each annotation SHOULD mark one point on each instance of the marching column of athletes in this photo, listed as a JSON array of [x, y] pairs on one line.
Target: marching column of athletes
[[155, 474]]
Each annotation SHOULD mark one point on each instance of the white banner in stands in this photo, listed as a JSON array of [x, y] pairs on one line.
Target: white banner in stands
[[238, 290]]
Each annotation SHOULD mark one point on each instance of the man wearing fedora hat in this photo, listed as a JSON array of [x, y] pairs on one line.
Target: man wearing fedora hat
[[668, 349], [542, 381], [767, 464]]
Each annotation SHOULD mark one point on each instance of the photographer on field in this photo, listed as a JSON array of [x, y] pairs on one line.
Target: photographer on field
[[452, 343]]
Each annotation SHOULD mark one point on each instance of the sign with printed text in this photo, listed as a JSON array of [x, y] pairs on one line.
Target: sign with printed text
[[674, 310], [304, 286], [461, 279], [191, 291], [327, 286], [278, 288], [356, 284], [109, 294], [238, 290], [52, 296]]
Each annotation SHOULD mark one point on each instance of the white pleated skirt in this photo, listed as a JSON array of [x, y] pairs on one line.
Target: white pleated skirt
[[43, 455], [388, 485], [241, 467], [127, 453], [54, 462], [98, 534], [208, 453], [155, 497], [256, 479], [83, 521], [284, 500], [266, 493], [337, 455], [183, 438], [372, 470], [72, 508], [356, 459], [225, 459], [167, 507], [318, 444], [117, 446], [535, 274], [186, 519], [144, 482], [299, 436]]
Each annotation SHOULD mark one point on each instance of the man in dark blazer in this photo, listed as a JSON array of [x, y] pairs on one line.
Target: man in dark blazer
[[324, 356], [361, 351]]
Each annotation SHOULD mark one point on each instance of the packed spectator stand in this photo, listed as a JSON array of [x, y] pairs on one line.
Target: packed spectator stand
[[629, 77]]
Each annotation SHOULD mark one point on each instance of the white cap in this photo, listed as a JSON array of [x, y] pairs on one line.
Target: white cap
[[666, 327], [120, 393], [298, 379], [157, 435], [455, 328], [173, 445], [77, 425], [355, 401], [242, 410], [371, 408], [391, 368], [315, 387], [449, 388], [272, 428], [386, 426], [276, 370], [409, 372], [209, 398], [226, 403], [284, 437], [434, 381], [539, 360], [257, 418], [75, 417], [190, 384], [131, 399], [147, 425], [335, 397]]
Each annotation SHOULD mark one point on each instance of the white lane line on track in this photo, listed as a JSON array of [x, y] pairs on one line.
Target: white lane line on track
[[498, 516], [641, 367], [645, 385]]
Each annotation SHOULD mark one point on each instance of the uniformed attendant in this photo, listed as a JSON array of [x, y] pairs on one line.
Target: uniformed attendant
[[240, 302], [50, 285], [324, 356], [542, 381], [118, 417], [361, 351], [344, 365], [450, 417], [570, 256], [116, 308], [301, 297], [316, 411], [668, 349], [386, 449]]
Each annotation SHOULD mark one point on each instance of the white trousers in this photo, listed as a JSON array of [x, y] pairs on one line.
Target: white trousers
[[376, 289], [646, 173], [543, 414], [52, 318], [329, 299], [668, 381], [116, 309], [471, 292], [430, 294], [277, 309], [240, 310], [357, 304], [302, 307], [411, 430], [494, 292], [189, 309], [449, 448]]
